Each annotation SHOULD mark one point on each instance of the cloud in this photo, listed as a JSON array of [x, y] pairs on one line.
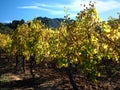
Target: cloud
[[74, 6], [104, 6], [101, 5], [51, 6], [34, 7], [44, 7], [29, 7]]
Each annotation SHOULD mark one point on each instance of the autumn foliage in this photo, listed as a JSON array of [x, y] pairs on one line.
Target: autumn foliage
[[83, 43]]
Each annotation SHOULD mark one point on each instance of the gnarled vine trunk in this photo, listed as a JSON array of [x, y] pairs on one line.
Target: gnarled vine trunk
[[70, 76]]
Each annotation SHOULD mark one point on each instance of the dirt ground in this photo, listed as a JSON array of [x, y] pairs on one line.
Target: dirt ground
[[50, 79]]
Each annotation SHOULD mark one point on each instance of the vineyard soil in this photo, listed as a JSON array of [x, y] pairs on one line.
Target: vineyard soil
[[50, 79]]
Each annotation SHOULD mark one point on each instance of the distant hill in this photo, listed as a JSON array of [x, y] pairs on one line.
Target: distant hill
[[52, 23], [48, 22], [9, 27]]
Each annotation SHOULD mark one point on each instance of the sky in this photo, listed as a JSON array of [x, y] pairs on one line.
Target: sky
[[29, 9]]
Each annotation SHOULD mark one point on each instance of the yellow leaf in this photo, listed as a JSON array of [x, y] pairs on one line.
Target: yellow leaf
[[105, 46], [107, 30], [99, 74]]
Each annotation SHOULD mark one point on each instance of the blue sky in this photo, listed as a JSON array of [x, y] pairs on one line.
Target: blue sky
[[28, 9]]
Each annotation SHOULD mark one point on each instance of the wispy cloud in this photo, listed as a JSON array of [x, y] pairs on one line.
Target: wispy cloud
[[29, 7], [74, 6], [44, 7], [34, 7]]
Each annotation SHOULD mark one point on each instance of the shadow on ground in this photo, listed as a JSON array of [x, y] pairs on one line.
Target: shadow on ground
[[32, 84]]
